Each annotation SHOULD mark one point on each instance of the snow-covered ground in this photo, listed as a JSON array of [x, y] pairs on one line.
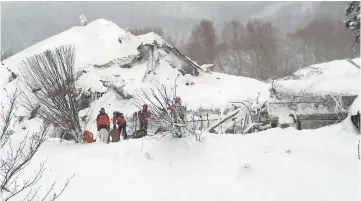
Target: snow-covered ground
[[275, 165]]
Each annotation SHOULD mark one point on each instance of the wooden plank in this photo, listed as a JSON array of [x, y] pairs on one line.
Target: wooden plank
[[233, 113]]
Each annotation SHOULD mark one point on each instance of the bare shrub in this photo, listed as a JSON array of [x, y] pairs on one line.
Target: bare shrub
[[14, 160], [50, 83], [159, 98]]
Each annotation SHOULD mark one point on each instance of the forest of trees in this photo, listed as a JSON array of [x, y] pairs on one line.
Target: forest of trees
[[257, 49]]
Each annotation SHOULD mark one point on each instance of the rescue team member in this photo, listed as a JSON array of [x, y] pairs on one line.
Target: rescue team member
[[118, 119]]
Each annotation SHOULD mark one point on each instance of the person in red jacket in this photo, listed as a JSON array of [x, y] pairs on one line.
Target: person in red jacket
[[143, 117], [118, 119], [177, 109]]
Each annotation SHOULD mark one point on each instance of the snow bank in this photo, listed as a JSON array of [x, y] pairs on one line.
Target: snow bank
[[283, 164], [335, 77]]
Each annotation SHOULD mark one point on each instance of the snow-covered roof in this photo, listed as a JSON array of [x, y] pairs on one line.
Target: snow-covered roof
[[335, 77]]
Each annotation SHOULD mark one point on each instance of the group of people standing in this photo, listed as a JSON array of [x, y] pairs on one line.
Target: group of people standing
[[120, 124]]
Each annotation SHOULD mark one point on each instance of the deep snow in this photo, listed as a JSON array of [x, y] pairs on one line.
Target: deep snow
[[275, 165]]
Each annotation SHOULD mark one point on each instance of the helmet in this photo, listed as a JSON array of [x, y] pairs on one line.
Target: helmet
[[178, 100], [102, 110], [145, 106]]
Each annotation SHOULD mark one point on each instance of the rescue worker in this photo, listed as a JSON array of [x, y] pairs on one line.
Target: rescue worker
[[118, 119], [143, 117], [177, 109], [103, 120]]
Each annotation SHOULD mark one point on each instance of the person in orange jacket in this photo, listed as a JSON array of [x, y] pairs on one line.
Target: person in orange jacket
[[103, 120], [144, 117], [118, 119]]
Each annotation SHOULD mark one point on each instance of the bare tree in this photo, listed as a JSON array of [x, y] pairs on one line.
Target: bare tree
[[262, 44], [252, 50], [14, 160], [202, 43], [50, 85], [323, 39], [233, 35]]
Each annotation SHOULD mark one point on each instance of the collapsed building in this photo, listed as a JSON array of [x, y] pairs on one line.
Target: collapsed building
[[313, 97]]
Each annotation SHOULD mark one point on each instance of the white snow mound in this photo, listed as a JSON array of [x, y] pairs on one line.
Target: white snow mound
[[335, 77]]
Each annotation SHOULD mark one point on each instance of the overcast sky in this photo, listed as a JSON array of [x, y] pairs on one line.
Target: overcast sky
[[26, 23]]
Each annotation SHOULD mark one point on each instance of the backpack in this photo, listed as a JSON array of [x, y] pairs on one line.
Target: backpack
[[88, 137], [115, 135]]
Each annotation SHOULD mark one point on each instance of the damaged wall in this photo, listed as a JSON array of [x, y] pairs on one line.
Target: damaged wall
[[312, 111]]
